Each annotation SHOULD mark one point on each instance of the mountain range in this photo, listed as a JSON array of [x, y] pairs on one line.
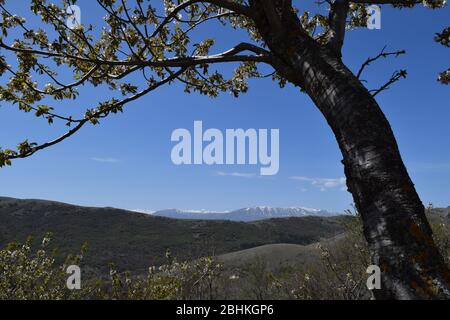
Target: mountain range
[[243, 214]]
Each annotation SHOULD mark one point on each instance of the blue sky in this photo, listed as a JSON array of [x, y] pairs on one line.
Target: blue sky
[[125, 162]]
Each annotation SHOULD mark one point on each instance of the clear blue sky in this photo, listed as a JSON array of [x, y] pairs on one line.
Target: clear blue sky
[[125, 162]]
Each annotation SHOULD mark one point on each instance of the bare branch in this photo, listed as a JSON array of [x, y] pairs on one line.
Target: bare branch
[[382, 54], [396, 76]]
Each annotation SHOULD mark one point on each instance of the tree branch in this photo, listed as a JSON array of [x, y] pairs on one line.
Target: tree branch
[[337, 21], [396, 76], [382, 54], [225, 4], [95, 115], [393, 2], [227, 56]]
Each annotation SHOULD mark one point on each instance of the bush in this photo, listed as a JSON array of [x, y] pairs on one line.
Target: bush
[[33, 274]]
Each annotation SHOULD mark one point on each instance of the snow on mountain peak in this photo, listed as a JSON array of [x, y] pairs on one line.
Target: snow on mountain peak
[[244, 214]]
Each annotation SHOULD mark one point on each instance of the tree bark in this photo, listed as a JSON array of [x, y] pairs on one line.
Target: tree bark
[[395, 226]]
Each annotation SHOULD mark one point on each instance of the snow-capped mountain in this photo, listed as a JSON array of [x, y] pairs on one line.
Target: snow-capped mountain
[[244, 214]]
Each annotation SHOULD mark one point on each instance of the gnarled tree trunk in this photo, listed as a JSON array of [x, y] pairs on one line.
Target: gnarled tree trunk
[[395, 226]]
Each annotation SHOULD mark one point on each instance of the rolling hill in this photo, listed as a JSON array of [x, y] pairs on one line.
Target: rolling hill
[[277, 256], [134, 241]]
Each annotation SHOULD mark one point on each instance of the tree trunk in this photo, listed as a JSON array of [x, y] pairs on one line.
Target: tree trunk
[[395, 226]]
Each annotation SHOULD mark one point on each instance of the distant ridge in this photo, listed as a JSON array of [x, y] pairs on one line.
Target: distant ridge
[[243, 214]]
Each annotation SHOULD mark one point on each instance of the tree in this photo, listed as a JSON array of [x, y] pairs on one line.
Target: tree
[[155, 41]]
